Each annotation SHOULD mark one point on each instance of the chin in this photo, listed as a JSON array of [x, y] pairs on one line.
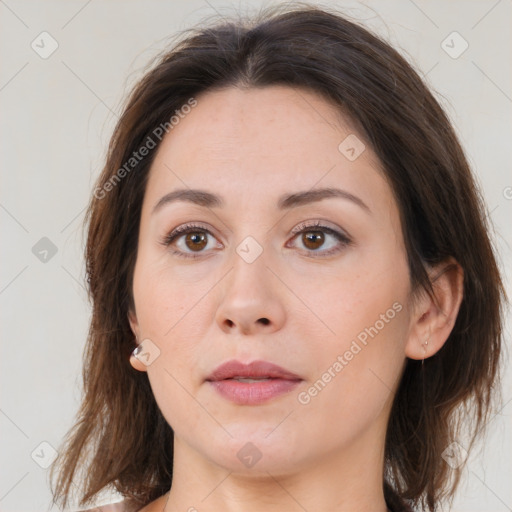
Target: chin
[[256, 453]]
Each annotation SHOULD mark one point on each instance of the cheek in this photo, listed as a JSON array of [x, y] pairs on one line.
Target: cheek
[[352, 305], [356, 370], [171, 391], [167, 299], [359, 357], [171, 313]]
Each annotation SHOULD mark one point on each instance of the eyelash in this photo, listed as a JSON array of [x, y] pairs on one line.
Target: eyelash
[[301, 228]]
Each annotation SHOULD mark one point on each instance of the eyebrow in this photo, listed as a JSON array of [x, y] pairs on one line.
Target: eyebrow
[[285, 202]]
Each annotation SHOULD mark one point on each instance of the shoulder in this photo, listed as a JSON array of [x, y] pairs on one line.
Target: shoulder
[[120, 506], [124, 506]]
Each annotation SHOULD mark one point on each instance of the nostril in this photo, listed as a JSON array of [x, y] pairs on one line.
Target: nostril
[[264, 321]]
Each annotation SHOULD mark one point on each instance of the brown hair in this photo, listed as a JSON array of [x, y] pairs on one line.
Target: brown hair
[[121, 437]]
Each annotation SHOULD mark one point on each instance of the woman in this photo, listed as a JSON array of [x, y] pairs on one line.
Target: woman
[[295, 298]]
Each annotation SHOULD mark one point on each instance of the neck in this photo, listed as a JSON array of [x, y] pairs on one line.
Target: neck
[[344, 480]]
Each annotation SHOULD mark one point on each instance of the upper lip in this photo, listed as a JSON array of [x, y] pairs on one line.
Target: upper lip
[[256, 369]]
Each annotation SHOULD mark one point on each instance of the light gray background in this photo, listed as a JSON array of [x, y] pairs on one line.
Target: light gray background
[[57, 116]]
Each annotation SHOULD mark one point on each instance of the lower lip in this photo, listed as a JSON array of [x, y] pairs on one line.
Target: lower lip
[[253, 393]]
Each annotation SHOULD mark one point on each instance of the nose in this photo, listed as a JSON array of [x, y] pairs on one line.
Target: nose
[[251, 300]]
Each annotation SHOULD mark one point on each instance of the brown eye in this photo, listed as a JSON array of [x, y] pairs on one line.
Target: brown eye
[[313, 239], [317, 240], [196, 241], [190, 241]]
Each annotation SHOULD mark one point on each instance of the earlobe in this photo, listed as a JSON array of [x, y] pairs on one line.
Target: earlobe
[[435, 315], [135, 362]]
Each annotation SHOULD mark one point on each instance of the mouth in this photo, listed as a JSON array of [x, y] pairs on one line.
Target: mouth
[[252, 384], [242, 379], [255, 371]]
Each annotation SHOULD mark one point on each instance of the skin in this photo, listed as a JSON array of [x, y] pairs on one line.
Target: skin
[[250, 147]]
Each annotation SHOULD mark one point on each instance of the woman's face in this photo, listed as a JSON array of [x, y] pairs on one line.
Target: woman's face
[[271, 270]]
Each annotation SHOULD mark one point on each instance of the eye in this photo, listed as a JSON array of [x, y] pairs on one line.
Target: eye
[[320, 239], [189, 239]]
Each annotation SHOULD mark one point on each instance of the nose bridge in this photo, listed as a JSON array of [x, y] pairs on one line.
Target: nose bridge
[[250, 298], [249, 280]]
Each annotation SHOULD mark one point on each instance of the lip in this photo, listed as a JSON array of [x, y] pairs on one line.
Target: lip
[[280, 381]]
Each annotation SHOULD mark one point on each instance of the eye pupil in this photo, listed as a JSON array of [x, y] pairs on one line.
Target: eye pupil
[[311, 238], [197, 239]]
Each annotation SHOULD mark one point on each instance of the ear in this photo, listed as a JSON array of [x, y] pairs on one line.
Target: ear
[[434, 317], [134, 325]]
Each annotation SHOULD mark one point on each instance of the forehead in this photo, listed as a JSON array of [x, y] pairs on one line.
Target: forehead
[[261, 143]]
